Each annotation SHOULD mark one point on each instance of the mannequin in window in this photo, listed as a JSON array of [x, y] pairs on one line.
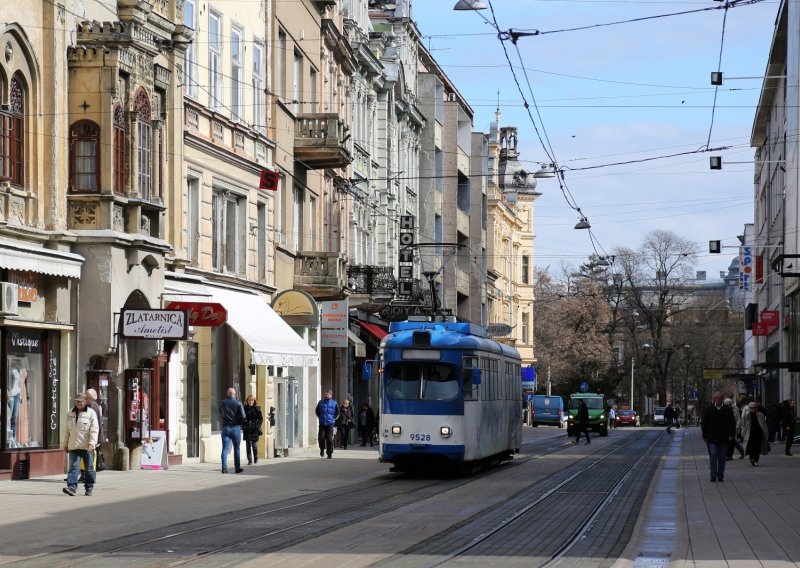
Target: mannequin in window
[[18, 405]]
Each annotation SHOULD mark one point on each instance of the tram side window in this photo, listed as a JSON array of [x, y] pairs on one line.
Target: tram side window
[[467, 365]]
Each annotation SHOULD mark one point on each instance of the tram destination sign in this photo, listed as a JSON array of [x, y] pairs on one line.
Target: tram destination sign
[[401, 312], [154, 324]]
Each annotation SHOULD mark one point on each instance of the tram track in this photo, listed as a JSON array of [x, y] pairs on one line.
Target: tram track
[[279, 526]]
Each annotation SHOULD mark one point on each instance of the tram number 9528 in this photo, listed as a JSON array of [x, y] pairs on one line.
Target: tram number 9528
[[420, 437]]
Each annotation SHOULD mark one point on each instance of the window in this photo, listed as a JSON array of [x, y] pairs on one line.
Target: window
[[84, 157], [261, 242], [229, 238], [144, 143], [297, 84], [525, 269], [193, 220], [120, 161], [525, 326], [259, 114], [280, 59], [190, 56], [12, 136], [214, 60], [236, 74], [297, 218], [422, 381], [312, 102], [32, 392], [469, 365]]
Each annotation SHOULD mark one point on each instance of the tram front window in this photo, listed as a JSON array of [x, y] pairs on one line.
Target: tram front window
[[421, 381]]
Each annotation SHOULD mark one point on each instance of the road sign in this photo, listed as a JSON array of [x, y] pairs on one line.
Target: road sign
[[528, 396], [584, 386]]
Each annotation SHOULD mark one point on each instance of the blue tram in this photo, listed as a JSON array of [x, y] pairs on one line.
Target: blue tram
[[450, 396]]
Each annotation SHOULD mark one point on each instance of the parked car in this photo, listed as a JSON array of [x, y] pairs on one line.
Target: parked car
[[658, 416], [547, 410], [627, 418]]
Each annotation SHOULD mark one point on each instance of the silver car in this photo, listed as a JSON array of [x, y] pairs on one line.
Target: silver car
[[658, 416]]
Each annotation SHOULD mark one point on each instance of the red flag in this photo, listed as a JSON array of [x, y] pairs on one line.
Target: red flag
[[269, 180]]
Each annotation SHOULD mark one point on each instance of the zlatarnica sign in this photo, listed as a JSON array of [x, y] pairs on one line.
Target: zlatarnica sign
[[154, 324]]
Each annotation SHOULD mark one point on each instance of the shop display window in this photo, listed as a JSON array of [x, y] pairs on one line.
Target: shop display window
[[31, 390]]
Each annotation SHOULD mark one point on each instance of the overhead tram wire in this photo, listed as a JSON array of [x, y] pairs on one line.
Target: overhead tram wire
[[719, 69]]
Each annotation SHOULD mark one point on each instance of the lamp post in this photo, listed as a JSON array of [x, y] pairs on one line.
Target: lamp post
[[633, 365]]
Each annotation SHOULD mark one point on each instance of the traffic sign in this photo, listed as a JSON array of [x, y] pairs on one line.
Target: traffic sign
[[584, 386], [528, 396]]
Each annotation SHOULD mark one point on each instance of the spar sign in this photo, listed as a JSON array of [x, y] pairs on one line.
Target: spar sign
[[745, 268]]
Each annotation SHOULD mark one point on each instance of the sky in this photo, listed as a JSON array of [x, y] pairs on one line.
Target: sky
[[635, 92]]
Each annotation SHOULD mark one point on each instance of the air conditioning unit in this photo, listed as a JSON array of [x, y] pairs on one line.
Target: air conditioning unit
[[9, 299]]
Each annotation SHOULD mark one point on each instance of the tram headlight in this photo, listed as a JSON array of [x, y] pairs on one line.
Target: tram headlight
[[396, 430], [445, 431]]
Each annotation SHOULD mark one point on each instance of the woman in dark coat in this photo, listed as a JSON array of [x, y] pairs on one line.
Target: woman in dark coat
[[345, 422], [252, 428]]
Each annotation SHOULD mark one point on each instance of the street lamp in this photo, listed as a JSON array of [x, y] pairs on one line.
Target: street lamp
[[470, 5]]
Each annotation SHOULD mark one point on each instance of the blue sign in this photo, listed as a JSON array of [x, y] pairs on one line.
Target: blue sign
[[694, 394], [528, 396], [584, 386], [366, 370]]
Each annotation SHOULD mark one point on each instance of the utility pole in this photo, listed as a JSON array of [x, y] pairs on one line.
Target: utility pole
[[633, 364], [549, 385]]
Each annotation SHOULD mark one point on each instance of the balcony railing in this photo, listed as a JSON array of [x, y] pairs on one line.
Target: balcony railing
[[321, 274], [322, 141]]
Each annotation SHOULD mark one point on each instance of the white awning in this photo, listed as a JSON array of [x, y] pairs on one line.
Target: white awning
[[16, 256], [360, 346], [272, 340]]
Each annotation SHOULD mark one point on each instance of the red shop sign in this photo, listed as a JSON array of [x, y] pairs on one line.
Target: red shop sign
[[204, 314], [759, 329], [770, 318]]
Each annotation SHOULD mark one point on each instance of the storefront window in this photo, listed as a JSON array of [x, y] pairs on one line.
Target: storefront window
[[31, 389], [227, 368]]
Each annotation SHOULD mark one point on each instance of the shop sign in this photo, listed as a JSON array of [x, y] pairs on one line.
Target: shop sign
[[202, 314], [745, 268], [20, 341], [401, 312], [154, 324], [405, 264], [334, 316], [759, 329], [28, 290], [770, 318]]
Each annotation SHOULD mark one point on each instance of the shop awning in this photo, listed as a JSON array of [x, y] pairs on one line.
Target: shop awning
[[374, 329], [16, 256], [272, 340], [360, 346]]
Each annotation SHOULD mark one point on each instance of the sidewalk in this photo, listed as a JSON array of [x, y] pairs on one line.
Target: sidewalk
[[750, 519]]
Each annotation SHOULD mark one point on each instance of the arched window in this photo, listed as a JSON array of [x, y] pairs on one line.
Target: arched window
[[12, 136], [84, 157], [120, 162], [144, 131]]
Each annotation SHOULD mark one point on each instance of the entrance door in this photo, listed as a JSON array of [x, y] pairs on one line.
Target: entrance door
[[288, 415], [192, 402]]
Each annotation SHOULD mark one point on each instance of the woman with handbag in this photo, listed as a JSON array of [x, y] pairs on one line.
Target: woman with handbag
[[253, 420], [345, 422], [755, 433]]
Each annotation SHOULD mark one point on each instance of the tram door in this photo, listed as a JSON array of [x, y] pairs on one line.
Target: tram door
[[288, 418]]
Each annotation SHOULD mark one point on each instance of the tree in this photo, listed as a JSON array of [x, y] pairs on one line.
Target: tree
[[571, 318]]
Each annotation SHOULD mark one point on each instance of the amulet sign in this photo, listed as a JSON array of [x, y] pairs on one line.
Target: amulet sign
[[203, 314]]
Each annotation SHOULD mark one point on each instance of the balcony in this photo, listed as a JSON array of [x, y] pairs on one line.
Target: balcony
[[374, 281], [322, 141], [321, 274]]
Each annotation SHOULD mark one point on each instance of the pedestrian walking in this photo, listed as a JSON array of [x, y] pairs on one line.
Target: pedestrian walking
[[253, 421], [736, 443], [82, 429], [755, 433], [366, 423], [719, 428], [669, 417], [327, 413], [345, 422], [582, 421], [677, 418], [232, 416], [612, 417], [789, 419]]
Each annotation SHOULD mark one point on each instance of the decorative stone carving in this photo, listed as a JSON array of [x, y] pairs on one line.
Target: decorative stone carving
[[118, 220], [83, 216], [145, 226], [16, 209], [9, 52]]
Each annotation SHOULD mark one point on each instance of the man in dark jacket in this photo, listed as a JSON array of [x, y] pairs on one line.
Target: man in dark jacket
[[669, 417], [232, 416], [327, 413], [582, 422], [719, 428]]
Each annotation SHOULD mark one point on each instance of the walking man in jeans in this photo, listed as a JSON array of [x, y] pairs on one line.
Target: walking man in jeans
[[719, 428], [327, 412], [82, 428], [231, 413]]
